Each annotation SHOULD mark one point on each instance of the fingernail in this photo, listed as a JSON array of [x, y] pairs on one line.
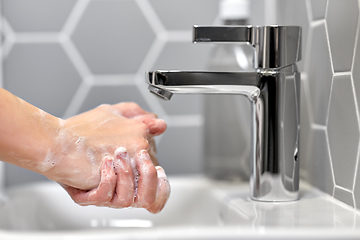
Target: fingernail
[[110, 163], [121, 152], [160, 172], [144, 155]]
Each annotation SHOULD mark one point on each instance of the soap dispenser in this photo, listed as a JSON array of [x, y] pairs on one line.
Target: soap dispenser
[[227, 117]]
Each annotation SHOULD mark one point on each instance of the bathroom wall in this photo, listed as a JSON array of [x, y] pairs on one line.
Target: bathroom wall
[[330, 93], [68, 56]]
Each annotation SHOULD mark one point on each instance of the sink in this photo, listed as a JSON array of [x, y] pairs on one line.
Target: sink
[[199, 208]]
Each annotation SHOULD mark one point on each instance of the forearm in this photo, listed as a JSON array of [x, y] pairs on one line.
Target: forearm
[[26, 133]]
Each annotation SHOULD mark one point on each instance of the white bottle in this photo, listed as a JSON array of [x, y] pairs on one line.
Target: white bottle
[[227, 117]]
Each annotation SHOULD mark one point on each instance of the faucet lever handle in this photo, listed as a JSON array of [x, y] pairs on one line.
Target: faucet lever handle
[[275, 46], [223, 34]]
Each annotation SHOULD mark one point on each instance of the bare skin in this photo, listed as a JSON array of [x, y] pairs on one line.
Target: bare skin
[[81, 152]]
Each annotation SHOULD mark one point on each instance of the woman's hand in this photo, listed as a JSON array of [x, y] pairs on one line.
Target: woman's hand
[[84, 140], [121, 187], [76, 152]]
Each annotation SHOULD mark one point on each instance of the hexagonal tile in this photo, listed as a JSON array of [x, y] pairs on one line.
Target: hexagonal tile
[[295, 13], [113, 37], [191, 12], [112, 95], [343, 131], [319, 74], [342, 47], [37, 15], [318, 9], [41, 74], [319, 169]]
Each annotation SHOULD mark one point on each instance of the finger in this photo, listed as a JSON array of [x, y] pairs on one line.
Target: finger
[[106, 189], [101, 195], [163, 191], [152, 151], [147, 185], [155, 126], [131, 110], [124, 196]]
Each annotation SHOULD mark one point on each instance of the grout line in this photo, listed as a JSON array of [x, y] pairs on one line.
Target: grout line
[[332, 73], [74, 17], [346, 73], [9, 37], [326, 8], [76, 59], [113, 80], [331, 163], [151, 56], [150, 14], [317, 22], [37, 37], [317, 126], [343, 188], [356, 173], [328, 44], [77, 100], [309, 11]]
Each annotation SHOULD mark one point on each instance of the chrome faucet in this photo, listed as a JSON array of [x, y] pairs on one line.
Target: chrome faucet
[[273, 89]]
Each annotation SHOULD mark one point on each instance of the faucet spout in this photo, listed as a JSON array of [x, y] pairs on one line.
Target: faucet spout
[[165, 83]]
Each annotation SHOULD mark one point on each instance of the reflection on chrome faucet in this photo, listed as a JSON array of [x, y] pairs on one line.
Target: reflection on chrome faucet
[[274, 92]]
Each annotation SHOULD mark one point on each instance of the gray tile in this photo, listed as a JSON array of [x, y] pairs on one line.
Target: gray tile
[[319, 165], [342, 48], [295, 13], [344, 196], [113, 36], [318, 8], [343, 131], [183, 56], [191, 12], [41, 74], [180, 150], [37, 15], [319, 74], [113, 94]]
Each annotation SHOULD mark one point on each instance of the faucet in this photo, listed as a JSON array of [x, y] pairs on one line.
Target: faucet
[[273, 89]]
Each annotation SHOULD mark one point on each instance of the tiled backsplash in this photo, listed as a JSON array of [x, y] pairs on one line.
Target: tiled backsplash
[[330, 93], [68, 56]]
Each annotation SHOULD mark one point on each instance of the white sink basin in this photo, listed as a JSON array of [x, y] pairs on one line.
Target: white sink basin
[[198, 209]]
